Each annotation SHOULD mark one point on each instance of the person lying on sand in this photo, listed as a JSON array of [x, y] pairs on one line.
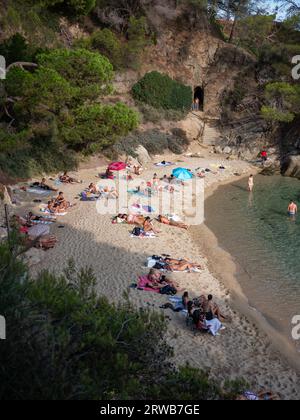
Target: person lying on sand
[[66, 179], [212, 310], [166, 221], [148, 226], [93, 189], [43, 185], [159, 281], [30, 217], [171, 264], [261, 396], [179, 306]]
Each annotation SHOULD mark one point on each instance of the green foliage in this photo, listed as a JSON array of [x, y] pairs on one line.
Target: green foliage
[[98, 126], [154, 141], [71, 344], [15, 49], [283, 102], [137, 41], [108, 44], [160, 91], [253, 32], [52, 106], [156, 116], [83, 69], [74, 7]]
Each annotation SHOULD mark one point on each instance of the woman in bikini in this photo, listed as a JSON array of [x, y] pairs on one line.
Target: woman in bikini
[[66, 179], [166, 221], [180, 265], [148, 226]]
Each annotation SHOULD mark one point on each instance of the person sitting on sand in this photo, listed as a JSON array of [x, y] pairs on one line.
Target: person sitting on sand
[[66, 179], [61, 203], [93, 189], [212, 310], [292, 208], [137, 170], [167, 221], [148, 226], [109, 174]]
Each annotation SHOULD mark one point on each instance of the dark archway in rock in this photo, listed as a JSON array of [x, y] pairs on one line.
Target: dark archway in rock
[[199, 96]]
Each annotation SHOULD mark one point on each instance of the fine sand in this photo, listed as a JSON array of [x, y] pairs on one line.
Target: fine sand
[[242, 350]]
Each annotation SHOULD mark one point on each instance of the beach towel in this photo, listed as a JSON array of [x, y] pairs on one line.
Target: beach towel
[[43, 210], [143, 283], [145, 235], [42, 222], [164, 164], [39, 191], [88, 196], [214, 326], [142, 208], [38, 230]]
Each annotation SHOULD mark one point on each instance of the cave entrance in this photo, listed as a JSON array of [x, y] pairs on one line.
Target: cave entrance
[[198, 104]]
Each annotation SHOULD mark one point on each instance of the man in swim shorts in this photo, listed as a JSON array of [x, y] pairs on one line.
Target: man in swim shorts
[[292, 209]]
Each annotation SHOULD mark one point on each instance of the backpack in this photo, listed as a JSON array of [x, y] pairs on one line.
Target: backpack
[[168, 290], [137, 231]]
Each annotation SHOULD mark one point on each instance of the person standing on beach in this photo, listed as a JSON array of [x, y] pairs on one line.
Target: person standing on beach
[[251, 183], [293, 208]]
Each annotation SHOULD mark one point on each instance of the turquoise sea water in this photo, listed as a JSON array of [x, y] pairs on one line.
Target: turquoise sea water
[[264, 241]]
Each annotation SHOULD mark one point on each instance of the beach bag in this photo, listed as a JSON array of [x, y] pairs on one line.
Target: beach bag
[[137, 231], [168, 290]]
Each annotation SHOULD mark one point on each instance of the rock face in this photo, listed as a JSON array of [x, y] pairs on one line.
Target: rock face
[[291, 166], [142, 155]]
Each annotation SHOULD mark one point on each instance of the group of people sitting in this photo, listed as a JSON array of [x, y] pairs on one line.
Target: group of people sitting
[[58, 205], [205, 314]]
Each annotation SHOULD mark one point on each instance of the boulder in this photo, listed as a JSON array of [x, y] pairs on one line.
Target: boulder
[[291, 166], [142, 155], [227, 150], [192, 126]]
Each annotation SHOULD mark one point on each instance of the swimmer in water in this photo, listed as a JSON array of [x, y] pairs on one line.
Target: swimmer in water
[[251, 183], [292, 209]]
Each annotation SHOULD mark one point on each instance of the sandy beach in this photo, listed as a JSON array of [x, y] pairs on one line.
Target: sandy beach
[[242, 351]]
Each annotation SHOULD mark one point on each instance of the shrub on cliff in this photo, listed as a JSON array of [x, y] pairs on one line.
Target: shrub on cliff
[[52, 105], [160, 91]]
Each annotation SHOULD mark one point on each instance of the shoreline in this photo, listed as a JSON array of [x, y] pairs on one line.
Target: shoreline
[[218, 258], [118, 260]]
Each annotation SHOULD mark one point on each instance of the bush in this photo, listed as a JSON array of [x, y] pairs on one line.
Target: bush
[[154, 115], [108, 44], [155, 141], [160, 91], [74, 7], [95, 127], [89, 71], [16, 49]]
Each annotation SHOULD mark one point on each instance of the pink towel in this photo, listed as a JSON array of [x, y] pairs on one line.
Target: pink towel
[[142, 284]]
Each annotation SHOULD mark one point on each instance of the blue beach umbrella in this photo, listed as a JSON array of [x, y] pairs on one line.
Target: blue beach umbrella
[[182, 174]]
